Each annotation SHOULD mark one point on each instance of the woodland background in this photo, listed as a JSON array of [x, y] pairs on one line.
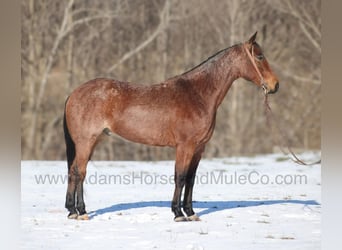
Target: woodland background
[[65, 43]]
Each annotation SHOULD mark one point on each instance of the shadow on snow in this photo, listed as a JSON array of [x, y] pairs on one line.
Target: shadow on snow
[[208, 206]]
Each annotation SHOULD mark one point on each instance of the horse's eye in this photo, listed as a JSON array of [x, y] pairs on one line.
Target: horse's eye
[[260, 57]]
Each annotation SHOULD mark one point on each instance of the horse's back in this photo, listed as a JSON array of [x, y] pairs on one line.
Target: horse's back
[[135, 112], [96, 89]]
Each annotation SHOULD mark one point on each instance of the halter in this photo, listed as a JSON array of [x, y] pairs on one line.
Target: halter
[[251, 58], [269, 115]]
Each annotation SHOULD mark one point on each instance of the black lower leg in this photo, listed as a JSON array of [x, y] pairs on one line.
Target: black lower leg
[[187, 207], [190, 181], [70, 195], [187, 203], [176, 201], [80, 202], [176, 209], [70, 203]]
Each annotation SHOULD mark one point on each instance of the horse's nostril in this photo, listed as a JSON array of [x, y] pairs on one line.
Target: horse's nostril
[[276, 87]]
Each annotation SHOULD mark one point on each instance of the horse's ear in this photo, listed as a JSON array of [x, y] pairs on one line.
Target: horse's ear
[[252, 39]]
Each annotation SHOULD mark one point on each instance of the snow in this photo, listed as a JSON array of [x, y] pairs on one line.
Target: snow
[[261, 202]]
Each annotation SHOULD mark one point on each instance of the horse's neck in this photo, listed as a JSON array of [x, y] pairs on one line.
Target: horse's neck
[[213, 83], [223, 81]]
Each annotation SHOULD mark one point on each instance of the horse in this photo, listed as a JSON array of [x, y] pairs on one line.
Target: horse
[[179, 112]]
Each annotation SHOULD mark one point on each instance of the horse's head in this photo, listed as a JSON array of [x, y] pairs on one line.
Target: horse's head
[[257, 67]]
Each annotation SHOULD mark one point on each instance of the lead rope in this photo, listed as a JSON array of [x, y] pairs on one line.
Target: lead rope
[[269, 115]]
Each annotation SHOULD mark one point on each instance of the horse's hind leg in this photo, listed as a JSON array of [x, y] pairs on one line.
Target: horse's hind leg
[[81, 173], [77, 175], [71, 192]]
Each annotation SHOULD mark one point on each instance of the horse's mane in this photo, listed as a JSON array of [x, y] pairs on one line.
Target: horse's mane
[[212, 58]]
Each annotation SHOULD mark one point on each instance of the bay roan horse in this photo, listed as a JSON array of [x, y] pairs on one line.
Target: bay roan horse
[[179, 112]]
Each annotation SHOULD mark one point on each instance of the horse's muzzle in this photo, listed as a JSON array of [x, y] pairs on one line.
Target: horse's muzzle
[[272, 91]]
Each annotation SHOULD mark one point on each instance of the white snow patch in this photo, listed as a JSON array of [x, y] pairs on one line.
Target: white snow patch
[[262, 202]]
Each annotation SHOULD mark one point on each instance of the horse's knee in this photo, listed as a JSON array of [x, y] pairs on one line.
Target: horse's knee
[[180, 179], [81, 173]]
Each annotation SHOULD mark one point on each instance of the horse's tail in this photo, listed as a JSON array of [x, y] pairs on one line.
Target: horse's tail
[[69, 143]]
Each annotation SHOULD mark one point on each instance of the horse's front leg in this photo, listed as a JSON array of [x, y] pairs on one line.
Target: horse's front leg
[[189, 184], [184, 155], [176, 201]]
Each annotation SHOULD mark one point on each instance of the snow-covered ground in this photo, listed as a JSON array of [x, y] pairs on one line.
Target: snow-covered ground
[[262, 202]]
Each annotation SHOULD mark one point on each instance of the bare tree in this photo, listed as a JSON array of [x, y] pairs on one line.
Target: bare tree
[[41, 70]]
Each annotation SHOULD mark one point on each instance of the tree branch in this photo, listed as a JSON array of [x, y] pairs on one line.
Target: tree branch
[[52, 54], [304, 24], [164, 20]]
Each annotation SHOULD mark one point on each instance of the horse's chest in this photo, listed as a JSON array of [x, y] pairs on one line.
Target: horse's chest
[[197, 128]]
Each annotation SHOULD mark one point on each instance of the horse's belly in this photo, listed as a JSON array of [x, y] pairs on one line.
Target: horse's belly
[[145, 135], [144, 126]]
